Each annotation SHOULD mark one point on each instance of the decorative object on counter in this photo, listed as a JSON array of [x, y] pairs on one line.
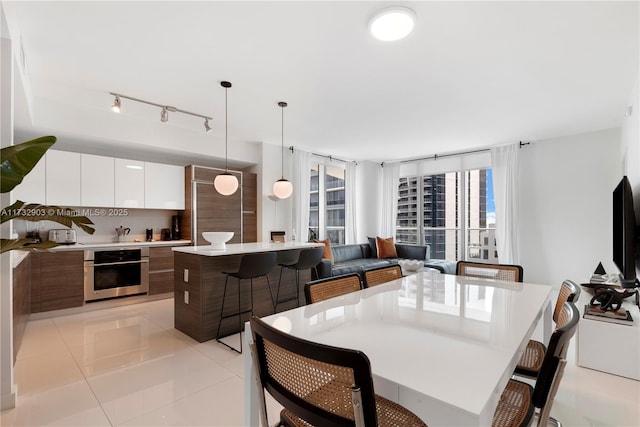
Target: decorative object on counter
[[620, 316], [218, 239], [277, 236], [282, 188], [17, 161], [149, 234], [122, 232], [164, 113], [226, 183]]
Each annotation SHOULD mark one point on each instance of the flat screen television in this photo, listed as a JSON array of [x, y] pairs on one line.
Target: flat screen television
[[624, 234]]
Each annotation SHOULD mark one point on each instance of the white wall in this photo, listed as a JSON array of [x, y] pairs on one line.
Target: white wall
[[368, 195], [277, 215], [565, 216], [630, 152]]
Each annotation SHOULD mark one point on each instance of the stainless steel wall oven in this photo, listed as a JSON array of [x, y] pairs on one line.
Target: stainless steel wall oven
[[114, 273]]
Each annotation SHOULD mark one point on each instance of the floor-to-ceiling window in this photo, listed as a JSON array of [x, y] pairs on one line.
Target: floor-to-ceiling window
[[326, 209], [453, 212]]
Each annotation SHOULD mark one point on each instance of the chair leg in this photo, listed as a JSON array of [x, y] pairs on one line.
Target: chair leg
[[277, 300], [297, 288], [239, 317], [224, 297]]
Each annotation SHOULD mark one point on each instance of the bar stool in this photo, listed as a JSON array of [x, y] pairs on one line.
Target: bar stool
[[251, 266], [307, 258]]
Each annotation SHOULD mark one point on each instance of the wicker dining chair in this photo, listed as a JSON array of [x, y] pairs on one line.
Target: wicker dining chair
[[319, 385], [531, 360], [519, 400], [379, 275], [320, 290], [510, 272]]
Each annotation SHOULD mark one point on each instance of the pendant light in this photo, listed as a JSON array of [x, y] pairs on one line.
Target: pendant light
[[225, 183], [282, 188]]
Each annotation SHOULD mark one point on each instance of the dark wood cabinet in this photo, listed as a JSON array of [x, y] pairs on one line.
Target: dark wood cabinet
[[160, 270], [207, 210], [56, 280], [21, 302]]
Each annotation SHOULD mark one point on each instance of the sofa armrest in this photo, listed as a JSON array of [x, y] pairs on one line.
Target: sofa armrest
[[413, 251]]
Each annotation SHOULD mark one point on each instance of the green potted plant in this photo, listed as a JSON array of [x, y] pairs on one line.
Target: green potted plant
[[17, 161]]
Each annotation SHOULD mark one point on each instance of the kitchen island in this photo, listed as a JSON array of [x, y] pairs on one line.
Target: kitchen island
[[199, 286]]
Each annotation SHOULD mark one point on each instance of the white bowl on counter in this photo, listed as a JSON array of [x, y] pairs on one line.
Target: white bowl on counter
[[218, 239]]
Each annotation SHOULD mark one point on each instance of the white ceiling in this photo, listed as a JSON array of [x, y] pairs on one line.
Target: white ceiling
[[473, 74]]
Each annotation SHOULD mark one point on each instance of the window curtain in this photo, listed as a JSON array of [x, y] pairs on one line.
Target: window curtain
[[389, 200], [504, 162], [350, 232], [301, 198]]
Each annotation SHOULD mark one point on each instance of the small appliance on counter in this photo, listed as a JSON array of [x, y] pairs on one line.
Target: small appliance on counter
[[64, 236], [149, 234], [175, 227], [122, 232], [165, 234]]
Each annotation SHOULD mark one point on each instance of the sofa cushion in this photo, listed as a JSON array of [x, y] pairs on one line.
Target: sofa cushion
[[444, 266], [346, 252], [386, 248], [357, 265], [411, 251]]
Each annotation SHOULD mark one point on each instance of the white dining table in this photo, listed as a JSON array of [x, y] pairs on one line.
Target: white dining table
[[443, 346]]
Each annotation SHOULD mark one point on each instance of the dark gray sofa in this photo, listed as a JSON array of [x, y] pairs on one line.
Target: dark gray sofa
[[358, 257]]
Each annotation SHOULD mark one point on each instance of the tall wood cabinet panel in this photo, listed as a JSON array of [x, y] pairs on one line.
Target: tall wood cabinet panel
[[129, 183], [160, 270], [56, 280], [207, 210], [97, 180], [62, 178], [21, 302]]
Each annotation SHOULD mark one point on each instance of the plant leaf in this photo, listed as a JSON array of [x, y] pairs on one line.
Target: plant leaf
[[37, 212], [24, 245], [19, 159]]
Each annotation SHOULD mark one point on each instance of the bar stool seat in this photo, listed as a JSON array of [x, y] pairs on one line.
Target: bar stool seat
[[307, 258], [251, 267]]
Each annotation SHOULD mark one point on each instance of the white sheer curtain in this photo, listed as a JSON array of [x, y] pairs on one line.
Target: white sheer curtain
[[350, 231], [389, 200], [301, 188], [504, 162]]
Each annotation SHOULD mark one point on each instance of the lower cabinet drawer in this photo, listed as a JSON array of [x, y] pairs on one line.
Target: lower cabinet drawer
[[160, 282]]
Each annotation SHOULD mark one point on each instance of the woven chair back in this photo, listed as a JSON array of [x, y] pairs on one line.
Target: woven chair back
[[377, 276], [311, 380], [320, 290], [569, 292], [508, 272], [554, 359]]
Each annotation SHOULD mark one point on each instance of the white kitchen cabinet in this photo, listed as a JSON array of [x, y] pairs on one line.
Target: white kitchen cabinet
[[129, 183], [62, 178], [32, 187], [97, 181], [164, 186]]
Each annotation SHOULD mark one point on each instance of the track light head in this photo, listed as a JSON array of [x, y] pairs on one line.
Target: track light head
[[116, 105], [164, 115], [207, 128]]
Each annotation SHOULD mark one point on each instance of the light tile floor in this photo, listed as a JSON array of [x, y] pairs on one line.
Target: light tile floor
[[127, 366]]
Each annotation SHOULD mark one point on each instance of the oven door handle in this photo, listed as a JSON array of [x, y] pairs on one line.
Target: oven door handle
[[93, 264]]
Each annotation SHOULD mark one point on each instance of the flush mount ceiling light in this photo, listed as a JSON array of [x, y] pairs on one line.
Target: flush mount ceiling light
[[164, 113], [393, 23], [225, 183], [282, 188]]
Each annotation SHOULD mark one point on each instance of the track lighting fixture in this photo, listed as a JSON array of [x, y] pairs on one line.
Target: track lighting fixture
[[164, 114], [225, 183], [116, 105], [282, 188]]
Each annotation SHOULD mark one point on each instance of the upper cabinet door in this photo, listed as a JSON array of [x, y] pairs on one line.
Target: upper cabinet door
[[129, 183], [98, 186], [32, 187], [164, 186], [63, 178]]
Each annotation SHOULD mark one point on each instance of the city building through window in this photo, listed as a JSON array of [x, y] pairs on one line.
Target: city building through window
[[326, 209]]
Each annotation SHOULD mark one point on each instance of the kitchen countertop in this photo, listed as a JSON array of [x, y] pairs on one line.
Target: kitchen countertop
[[112, 245], [245, 248]]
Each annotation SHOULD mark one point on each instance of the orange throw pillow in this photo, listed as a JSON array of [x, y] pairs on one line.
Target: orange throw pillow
[[328, 254], [386, 248]]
